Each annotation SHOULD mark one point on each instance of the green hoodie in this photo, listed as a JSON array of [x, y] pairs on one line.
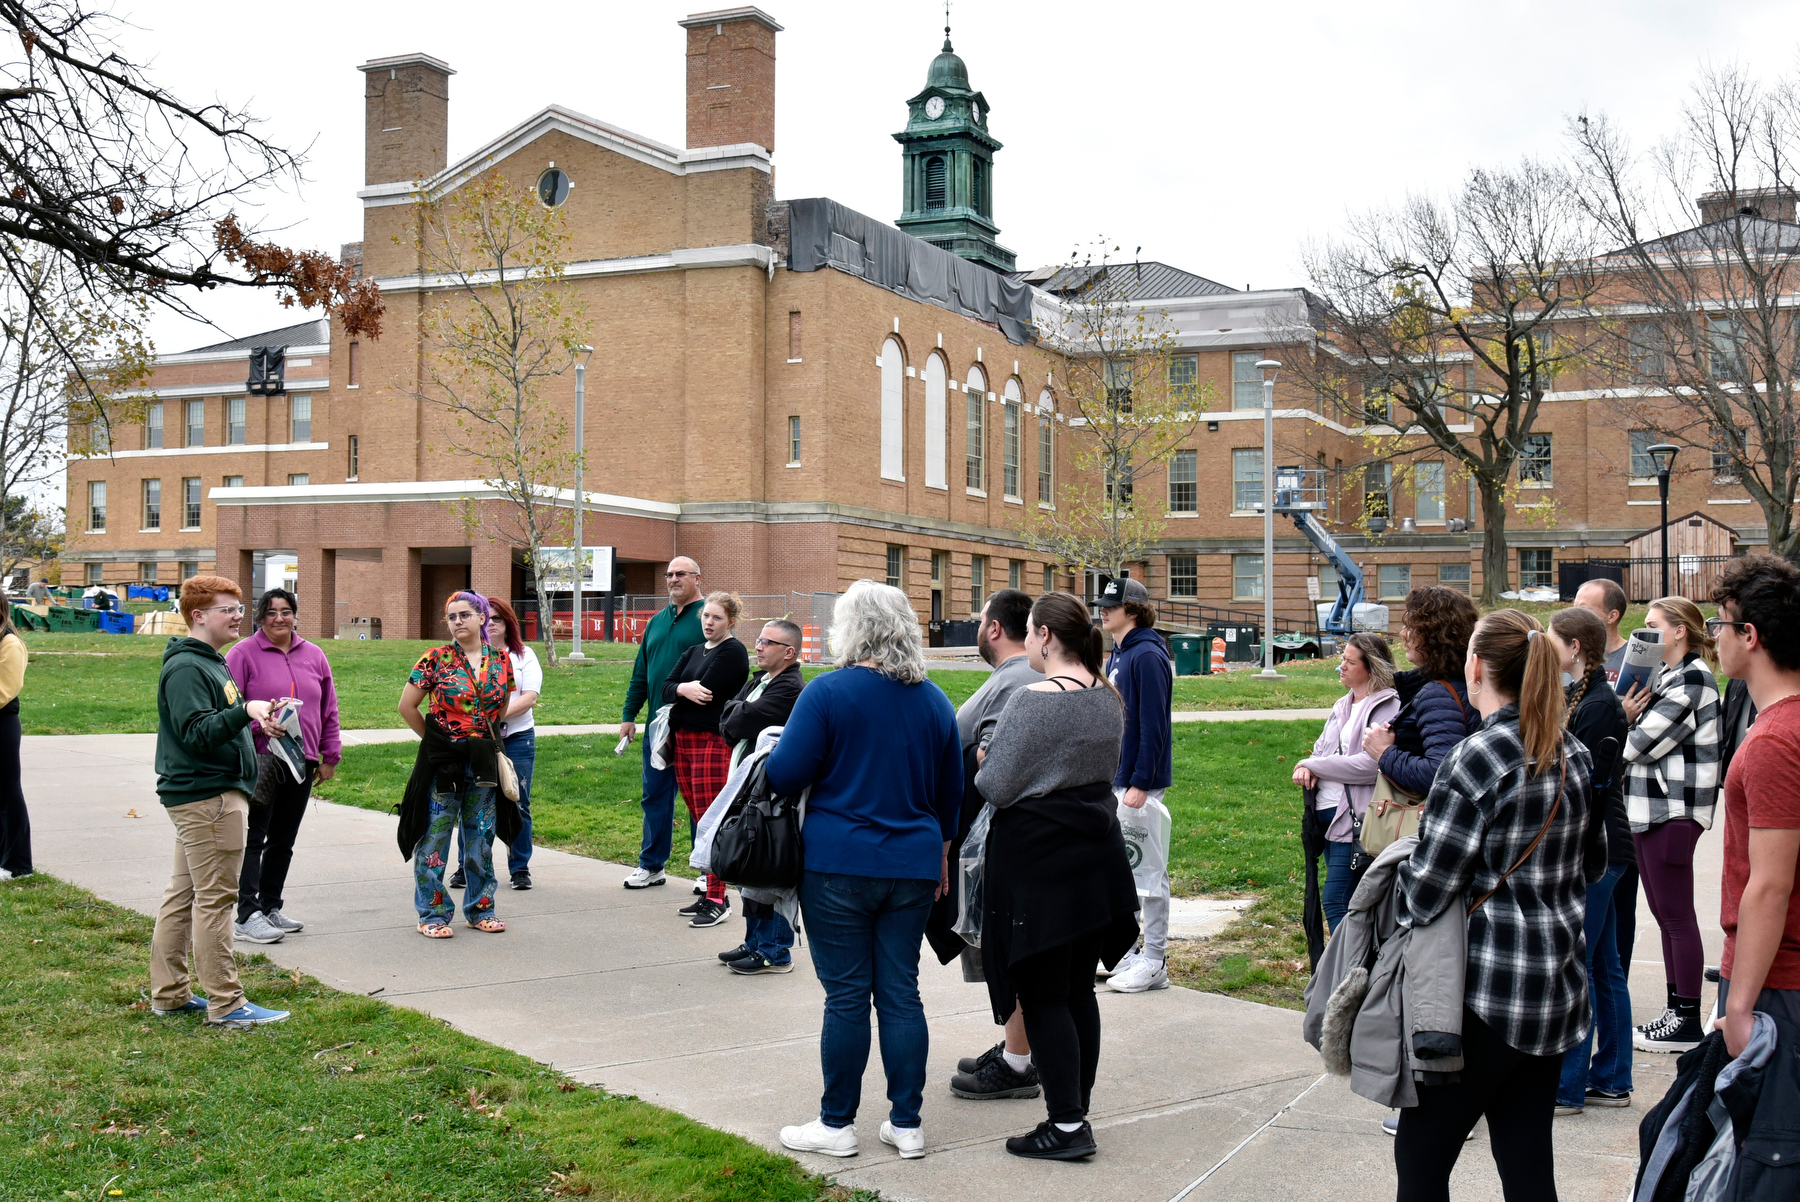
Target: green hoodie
[[203, 742], [668, 634]]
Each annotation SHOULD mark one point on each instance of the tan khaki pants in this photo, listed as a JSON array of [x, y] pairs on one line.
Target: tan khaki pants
[[200, 905]]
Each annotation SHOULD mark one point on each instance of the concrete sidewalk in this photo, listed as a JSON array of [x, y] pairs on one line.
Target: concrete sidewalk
[[613, 988]]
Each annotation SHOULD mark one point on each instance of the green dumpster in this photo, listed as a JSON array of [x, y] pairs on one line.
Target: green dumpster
[[1191, 655]]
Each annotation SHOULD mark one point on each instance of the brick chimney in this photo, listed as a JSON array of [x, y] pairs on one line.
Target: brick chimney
[[406, 126], [731, 78]]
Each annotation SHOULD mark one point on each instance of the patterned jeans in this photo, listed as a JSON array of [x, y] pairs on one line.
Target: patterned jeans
[[472, 809]]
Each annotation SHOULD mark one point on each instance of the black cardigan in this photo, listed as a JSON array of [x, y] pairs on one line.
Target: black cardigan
[[723, 669], [1600, 725]]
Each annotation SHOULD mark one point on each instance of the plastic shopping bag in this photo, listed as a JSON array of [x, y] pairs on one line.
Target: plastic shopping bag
[[971, 867], [1146, 833], [662, 739]]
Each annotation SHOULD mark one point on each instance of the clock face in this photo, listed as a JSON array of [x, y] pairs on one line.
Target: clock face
[[934, 108], [975, 112]]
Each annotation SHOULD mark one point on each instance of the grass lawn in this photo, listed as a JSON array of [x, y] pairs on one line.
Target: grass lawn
[[349, 1098]]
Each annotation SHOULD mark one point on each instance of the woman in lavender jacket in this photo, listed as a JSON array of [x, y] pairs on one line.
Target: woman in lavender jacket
[[1340, 771], [273, 664]]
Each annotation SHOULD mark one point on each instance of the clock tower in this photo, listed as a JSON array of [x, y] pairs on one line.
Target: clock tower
[[948, 157]]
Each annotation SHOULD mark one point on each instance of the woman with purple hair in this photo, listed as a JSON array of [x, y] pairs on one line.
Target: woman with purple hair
[[456, 774]]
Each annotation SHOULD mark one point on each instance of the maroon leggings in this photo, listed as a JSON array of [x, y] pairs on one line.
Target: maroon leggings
[[1665, 856]]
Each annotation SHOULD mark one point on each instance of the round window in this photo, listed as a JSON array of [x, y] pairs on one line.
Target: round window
[[553, 187]]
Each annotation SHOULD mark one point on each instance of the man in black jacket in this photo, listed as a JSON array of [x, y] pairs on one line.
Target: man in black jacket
[[766, 700]]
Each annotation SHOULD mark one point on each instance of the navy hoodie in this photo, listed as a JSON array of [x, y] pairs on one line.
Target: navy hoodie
[[1140, 668]]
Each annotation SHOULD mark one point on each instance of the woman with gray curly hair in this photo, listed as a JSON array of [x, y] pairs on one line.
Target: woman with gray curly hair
[[876, 742]]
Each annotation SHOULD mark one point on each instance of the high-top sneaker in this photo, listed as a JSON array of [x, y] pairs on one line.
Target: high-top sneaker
[[1680, 1032]]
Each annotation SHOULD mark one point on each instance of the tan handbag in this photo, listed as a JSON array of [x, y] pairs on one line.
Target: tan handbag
[[1393, 814], [503, 767]]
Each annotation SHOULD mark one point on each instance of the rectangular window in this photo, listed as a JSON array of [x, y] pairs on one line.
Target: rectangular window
[[196, 424], [977, 583], [1184, 576], [96, 573], [1246, 380], [1534, 461], [354, 445], [793, 440], [1184, 482], [1724, 469], [1246, 479], [299, 478], [1428, 487], [1642, 466], [355, 372], [147, 572], [1328, 582], [189, 571], [794, 336], [234, 421], [152, 505], [1647, 348], [300, 418], [153, 426], [190, 503], [1247, 577], [1727, 350], [1537, 567], [1454, 575], [1378, 483], [1009, 471], [1118, 385], [1396, 581], [234, 482], [896, 566], [974, 474], [1015, 573], [940, 565], [1046, 458], [1121, 481], [1049, 578], [1184, 377]]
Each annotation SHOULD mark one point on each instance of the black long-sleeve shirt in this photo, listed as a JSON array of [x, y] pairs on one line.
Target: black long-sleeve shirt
[[722, 669], [745, 719]]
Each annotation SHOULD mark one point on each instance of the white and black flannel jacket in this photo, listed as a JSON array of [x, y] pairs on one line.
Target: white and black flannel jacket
[[1527, 969], [1672, 753]]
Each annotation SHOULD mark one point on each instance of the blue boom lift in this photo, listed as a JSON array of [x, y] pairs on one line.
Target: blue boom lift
[[1299, 493]]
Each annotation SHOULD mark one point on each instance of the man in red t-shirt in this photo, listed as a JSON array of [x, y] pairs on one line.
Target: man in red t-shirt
[[1758, 629]]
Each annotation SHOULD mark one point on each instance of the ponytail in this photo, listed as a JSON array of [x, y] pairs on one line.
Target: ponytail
[[1067, 620], [1521, 661]]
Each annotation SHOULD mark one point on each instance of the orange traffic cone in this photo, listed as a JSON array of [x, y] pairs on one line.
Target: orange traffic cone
[[1218, 655]]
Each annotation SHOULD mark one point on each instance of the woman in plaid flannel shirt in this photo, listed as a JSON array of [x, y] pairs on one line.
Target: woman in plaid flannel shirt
[[1671, 785], [1509, 843]]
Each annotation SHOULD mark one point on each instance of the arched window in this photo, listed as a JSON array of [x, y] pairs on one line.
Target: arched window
[[1009, 448], [893, 410], [936, 431], [976, 395], [934, 182], [1046, 408]]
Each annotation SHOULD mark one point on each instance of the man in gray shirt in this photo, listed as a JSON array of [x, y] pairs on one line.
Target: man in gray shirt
[[1004, 1070]]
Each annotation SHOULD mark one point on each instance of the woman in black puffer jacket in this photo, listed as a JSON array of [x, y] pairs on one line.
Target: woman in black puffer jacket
[[1435, 714]]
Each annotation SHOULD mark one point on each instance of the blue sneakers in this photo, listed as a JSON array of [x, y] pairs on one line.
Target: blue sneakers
[[248, 1015], [194, 1005]]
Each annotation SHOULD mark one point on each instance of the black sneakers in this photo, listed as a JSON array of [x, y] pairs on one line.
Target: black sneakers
[[756, 965], [736, 953], [521, 879], [996, 1079], [691, 909], [1672, 1033], [1048, 1142], [709, 913], [1605, 1097], [972, 1064], [457, 880]]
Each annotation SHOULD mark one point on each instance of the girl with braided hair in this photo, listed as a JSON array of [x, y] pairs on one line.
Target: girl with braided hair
[[1597, 1071]]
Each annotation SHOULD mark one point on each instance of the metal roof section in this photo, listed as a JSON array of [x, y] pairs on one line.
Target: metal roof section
[[1229, 320], [1723, 237], [1148, 280], [308, 333]]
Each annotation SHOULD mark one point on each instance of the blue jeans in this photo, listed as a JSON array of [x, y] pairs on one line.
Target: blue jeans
[[767, 932], [659, 813], [471, 810], [1334, 894], [1610, 1068], [865, 933], [521, 749]]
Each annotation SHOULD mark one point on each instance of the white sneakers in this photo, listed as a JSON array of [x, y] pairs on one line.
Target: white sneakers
[[258, 929], [1138, 975], [643, 878], [827, 1141], [908, 1141]]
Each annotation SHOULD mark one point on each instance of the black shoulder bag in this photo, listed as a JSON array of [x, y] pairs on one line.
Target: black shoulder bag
[[758, 842]]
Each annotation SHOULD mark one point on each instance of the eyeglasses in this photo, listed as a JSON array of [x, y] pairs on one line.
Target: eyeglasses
[[461, 615], [1713, 625], [678, 575], [234, 610], [772, 643], [278, 613]]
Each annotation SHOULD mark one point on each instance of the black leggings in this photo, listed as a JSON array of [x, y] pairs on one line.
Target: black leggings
[[269, 842], [1062, 1020], [1517, 1093], [15, 823]]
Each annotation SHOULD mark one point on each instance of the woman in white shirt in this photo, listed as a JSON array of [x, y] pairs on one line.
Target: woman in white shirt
[[518, 732]]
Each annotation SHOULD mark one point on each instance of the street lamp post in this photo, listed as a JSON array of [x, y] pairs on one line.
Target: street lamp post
[[1270, 368], [1663, 453], [578, 568]]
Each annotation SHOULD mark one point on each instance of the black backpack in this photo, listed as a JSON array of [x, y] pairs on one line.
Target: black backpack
[[758, 842]]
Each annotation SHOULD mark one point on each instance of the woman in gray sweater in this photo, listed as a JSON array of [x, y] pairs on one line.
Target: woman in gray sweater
[[1058, 898]]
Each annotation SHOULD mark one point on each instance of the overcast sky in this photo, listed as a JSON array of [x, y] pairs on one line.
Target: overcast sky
[[1218, 137]]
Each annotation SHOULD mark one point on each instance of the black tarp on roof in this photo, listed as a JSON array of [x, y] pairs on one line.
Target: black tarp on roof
[[823, 233]]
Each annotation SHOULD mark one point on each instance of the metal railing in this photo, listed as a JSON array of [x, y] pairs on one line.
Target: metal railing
[[1176, 611], [631, 613]]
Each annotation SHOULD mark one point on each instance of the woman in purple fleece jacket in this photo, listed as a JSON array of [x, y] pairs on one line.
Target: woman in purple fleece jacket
[[273, 664]]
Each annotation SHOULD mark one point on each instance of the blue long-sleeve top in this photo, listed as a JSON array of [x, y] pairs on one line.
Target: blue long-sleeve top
[[886, 771], [1435, 715], [1140, 668]]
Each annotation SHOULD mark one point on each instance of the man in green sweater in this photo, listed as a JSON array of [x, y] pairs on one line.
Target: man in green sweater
[[671, 631], [205, 774]]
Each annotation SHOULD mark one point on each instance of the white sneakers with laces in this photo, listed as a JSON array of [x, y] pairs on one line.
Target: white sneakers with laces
[[826, 1141], [643, 878], [908, 1141], [1141, 975]]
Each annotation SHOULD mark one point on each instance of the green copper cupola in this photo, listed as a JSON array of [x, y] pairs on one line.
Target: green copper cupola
[[948, 156]]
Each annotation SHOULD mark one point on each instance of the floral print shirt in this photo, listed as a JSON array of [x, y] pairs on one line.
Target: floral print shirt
[[461, 703]]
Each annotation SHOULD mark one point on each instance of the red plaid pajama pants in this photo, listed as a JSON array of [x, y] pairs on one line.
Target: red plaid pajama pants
[[702, 765]]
